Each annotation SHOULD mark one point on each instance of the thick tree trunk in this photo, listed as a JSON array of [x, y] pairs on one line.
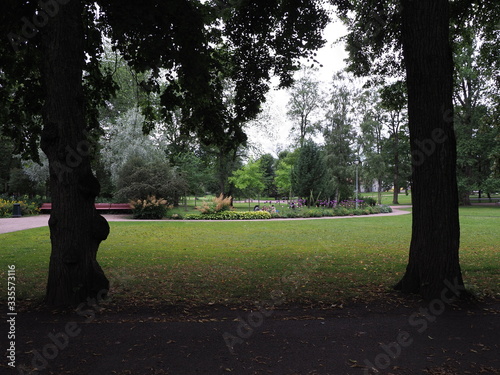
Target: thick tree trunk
[[433, 269], [76, 229]]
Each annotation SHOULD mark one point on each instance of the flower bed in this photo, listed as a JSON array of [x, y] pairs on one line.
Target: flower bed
[[296, 213], [230, 215], [27, 207]]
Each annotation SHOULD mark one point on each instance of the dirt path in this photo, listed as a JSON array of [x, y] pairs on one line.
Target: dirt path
[[354, 340]]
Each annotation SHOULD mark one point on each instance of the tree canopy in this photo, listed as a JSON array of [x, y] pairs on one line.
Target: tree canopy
[[52, 86]]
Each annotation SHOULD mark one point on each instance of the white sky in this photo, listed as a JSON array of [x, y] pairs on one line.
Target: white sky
[[276, 134]]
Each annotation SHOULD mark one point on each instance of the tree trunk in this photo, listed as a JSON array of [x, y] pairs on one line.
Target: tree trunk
[[433, 269], [396, 170], [379, 191], [76, 229]]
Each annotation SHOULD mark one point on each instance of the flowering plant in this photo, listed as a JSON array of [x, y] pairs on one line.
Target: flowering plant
[[218, 204], [151, 208]]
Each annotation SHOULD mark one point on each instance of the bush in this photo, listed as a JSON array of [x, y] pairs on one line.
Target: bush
[[139, 179], [312, 213], [230, 215], [176, 217], [341, 211], [150, 208], [28, 208], [369, 201], [384, 209], [218, 204]]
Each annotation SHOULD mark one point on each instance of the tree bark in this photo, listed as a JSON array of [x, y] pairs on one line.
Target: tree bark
[[397, 188], [433, 268], [379, 190], [76, 229]]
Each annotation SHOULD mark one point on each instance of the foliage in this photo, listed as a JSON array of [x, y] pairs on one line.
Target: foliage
[[217, 205], [476, 101], [196, 170], [150, 208], [370, 201], [284, 172], [28, 207], [249, 178], [309, 171], [340, 137], [123, 141], [267, 165], [140, 178], [230, 215], [6, 150], [303, 105], [385, 209]]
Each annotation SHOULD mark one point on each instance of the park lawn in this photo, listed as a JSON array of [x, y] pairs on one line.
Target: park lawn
[[387, 197], [306, 261]]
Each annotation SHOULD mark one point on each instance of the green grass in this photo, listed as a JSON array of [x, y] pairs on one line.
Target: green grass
[[307, 261], [387, 197]]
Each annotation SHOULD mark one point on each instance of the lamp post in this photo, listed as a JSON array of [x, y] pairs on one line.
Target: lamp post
[[357, 162]]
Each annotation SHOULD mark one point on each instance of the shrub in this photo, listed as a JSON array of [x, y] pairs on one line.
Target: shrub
[[139, 179], [218, 204], [384, 209], [341, 211], [150, 208], [27, 207], [230, 215], [370, 201], [312, 213]]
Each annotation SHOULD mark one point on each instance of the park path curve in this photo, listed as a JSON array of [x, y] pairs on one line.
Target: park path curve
[[8, 225]]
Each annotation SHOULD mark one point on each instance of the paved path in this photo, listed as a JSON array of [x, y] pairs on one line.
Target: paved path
[[8, 225]]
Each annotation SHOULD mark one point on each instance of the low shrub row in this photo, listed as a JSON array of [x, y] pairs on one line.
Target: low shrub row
[[338, 211], [305, 213], [229, 215]]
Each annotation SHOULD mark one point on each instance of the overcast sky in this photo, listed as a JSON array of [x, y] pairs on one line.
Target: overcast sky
[[276, 134]]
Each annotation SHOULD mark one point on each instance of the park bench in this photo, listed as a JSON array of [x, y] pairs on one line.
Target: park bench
[[98, 206]]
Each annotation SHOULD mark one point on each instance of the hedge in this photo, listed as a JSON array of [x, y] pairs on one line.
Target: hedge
[[230, 215]]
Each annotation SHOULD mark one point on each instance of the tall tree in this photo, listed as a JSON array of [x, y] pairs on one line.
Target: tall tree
[[309, 172], [74, 275], [340, 136], [267, 163], [284, 172], [433, 262], [474, 104], [371, 140], [50, 63], [393, 101], [249, 179], [303, 106], [412, 37]]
